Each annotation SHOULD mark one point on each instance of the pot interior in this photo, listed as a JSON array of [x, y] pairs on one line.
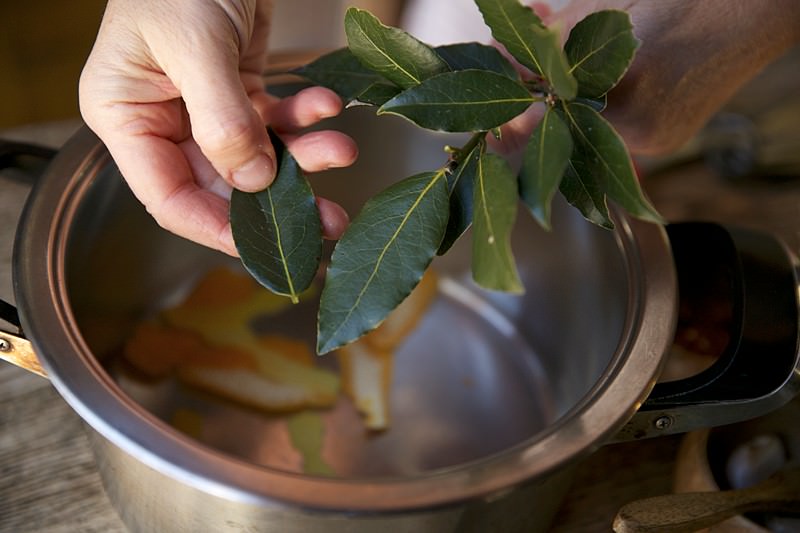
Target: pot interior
[[482, 373]]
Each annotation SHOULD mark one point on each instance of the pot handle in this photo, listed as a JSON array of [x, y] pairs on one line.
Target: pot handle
[[14, 154], [29, 158], [15, 348], [18, 351], [737, 288]]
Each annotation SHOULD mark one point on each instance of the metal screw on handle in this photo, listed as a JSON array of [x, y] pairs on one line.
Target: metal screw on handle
[[663, 422]]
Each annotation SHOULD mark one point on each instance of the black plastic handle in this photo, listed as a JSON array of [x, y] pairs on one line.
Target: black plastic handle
[[9, 313], [20, 155], [744, 284], [30, 160]]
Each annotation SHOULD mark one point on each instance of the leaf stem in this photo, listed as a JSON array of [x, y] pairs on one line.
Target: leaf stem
[[458, 155], [476, 139], [540, 86]]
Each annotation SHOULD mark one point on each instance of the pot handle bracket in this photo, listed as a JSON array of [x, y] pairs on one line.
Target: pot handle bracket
[[738, 289], [30, 160], [15, 348]]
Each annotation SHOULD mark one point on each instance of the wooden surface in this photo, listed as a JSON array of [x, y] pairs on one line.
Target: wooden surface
[[48, 481]]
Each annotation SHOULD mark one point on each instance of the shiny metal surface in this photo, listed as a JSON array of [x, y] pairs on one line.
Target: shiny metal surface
[[493, 392]]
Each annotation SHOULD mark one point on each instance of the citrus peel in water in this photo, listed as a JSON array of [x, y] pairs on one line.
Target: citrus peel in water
[[207, 341], [366, 364]]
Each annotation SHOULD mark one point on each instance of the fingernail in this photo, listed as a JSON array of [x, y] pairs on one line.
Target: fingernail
[[254, 175]]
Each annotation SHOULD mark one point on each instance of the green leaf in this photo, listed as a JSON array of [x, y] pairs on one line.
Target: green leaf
[[601, 155], [466, 56], [598, 104], [390, 52], [585, 194], [495, 205], [277, 231], [600, 49], [377, 94], [461, 184], [461, 101], [521, 31], [544, 161], [341, 72], [381, 257]]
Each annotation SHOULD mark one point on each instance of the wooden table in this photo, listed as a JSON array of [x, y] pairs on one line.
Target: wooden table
[[48, 480]]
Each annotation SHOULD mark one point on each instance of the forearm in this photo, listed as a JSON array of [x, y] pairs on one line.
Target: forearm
[[694, 57]]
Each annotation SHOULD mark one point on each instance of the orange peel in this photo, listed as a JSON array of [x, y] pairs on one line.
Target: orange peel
[[367, 379], [405, 317]]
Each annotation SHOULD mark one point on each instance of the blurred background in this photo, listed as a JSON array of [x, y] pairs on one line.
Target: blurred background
[[44, 44]]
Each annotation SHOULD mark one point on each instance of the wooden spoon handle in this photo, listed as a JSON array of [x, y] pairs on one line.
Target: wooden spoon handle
[[687, 512]]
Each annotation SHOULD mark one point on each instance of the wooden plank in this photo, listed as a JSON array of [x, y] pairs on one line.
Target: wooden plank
[[48, 478]]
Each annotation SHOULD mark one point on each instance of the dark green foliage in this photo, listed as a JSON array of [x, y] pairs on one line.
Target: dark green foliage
[[462, 87]]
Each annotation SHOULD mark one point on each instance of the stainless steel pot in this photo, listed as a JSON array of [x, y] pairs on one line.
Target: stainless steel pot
[[495, 396]]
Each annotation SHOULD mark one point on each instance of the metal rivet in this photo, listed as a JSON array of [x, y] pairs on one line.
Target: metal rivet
[[5, 346], [663, 422]]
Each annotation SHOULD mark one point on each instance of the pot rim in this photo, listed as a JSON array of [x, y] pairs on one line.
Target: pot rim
[[48, 322]]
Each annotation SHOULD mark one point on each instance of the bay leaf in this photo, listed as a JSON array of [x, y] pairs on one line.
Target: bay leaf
[[461, 184], [598, 104], [600, 49], [277, 231], [584, 193], [381, 257], [341, 72], [535, 46], [544, 161], [600, 155], [390, 52], [465, 56], [377, 94], [495, 210], [461, 101]]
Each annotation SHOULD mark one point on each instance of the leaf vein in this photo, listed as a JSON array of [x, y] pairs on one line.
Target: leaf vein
[[385, 249], [520, 39], [280, 247], [597, 50], [389, 58]]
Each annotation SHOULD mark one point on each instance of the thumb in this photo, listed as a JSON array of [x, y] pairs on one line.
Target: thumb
[[224, 122]]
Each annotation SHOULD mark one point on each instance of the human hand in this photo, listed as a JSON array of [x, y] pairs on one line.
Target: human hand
[[175, 92], [693, 57]]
